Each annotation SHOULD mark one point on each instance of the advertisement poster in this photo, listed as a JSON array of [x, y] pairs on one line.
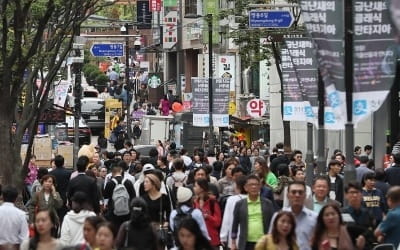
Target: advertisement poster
[[220, 107], [200, 102]]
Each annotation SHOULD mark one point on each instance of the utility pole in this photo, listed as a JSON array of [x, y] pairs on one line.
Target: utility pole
[[124, 31], [210, 76], [321, 160]]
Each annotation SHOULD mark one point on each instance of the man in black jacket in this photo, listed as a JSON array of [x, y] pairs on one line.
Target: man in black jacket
[[252, 215], [62, 176], [279, 159], [393, 173], [84, 183], [335, 181]]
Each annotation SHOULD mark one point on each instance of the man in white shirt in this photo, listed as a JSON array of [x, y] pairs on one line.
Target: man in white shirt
[[13, 220]]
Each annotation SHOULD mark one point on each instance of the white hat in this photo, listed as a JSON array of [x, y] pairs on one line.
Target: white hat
[[147, 167], [183, 194]]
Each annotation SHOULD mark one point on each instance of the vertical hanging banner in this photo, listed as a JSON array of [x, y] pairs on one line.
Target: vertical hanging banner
[[200, 102], [302, 57], [170, 32], [374, 56], [211, 7], [226, 69], [293, 101], [143, 15], [220, 100], [324, 20]]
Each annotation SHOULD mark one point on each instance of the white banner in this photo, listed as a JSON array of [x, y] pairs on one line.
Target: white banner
[[60, 94], [226, 69]]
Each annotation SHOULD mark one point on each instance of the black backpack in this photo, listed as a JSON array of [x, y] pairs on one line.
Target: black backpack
[[180, 216]]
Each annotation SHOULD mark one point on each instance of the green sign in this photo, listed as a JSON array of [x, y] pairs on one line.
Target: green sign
[[211, 7], [170, 3], [154, 81]]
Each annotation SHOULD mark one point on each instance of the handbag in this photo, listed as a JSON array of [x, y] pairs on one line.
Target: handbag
[[164, 234]]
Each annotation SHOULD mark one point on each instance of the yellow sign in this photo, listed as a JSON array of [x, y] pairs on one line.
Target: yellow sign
[[113, 112], [232, 108]]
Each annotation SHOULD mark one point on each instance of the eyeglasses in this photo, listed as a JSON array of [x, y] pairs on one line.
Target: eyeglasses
[[299, 192]]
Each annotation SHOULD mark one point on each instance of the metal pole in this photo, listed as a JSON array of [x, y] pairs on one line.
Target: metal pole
[[77, 113], [128, 115], [349, 170], [309, 155], [179, 53], [321, 160], [210, 75]]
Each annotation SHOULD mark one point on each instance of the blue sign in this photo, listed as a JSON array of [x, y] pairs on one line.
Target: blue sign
[[270, 19], [107, 49]]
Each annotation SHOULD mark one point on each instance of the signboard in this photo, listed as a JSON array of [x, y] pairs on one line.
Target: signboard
[[256, 108], [170, 31], [52, 116], [170, 3], [154, 81], [143, 15], [155, 5], [374, 55], [324, 20], [60, 93], [107, 49], [301, 54], [200, 102], [226, 69], [270, 19], [220, 107]]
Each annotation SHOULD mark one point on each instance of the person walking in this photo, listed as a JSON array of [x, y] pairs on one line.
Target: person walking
[[190, 236], [12, 220], [137, 233], [62, 176], [45, 232], [47, 198], [251, 216], [86, 184], [283, 235], [330, 231], [72, 226]]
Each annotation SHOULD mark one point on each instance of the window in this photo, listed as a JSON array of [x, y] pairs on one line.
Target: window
[[190, 7]]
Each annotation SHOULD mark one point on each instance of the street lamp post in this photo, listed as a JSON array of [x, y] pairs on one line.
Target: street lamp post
[[210, 76], [124, 31]]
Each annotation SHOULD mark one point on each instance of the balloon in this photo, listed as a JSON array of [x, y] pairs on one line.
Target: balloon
[[177, 107]]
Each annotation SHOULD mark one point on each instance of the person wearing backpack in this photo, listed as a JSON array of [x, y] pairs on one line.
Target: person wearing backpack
[[185, 209], [178, 178], [119, 192]]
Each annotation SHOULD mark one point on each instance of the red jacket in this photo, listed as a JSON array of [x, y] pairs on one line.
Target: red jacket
[[212, 218]]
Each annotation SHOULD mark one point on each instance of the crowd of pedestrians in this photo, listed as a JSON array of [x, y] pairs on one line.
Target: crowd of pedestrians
[[242, 199]]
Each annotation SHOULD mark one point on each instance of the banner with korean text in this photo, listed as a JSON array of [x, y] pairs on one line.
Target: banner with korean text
[[374, 54], [200, 102], [220, 107]]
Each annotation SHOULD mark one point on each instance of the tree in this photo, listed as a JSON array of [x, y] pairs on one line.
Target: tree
[[35, 37]]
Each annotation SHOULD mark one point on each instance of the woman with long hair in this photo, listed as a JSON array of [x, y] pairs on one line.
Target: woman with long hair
[[190, 236], [261, 169], [47, 198], [330, 232], [283, 235], [209, 208], [137, 233], [45, 232], [159, 207], [105, 236]]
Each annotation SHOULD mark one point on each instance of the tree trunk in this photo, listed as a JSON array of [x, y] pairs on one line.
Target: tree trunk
[[11, 160]]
